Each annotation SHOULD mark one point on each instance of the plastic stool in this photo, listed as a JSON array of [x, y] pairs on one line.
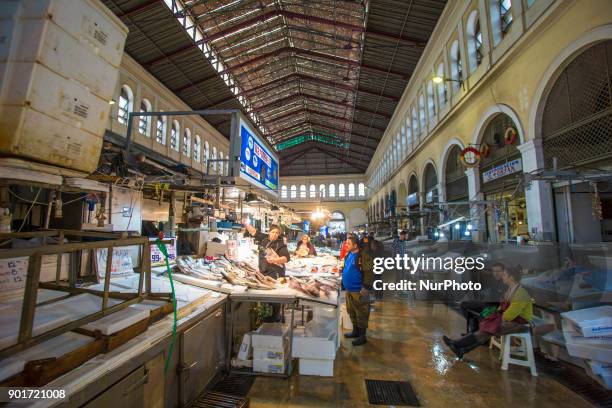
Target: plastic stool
[[504, 344]]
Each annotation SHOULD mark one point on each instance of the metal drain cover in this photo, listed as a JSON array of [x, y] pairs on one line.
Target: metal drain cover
[[391, 393], [235, 384]]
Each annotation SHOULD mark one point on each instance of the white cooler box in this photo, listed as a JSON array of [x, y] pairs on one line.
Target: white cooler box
[[322, 368], [592, 322], [323, 346], [271, 336], [590, 348], [269, 366]]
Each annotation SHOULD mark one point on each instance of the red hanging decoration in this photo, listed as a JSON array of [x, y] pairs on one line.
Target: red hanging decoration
[[470, 156]]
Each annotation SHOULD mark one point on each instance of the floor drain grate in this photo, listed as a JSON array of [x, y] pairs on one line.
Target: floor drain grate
[[235, 384], [391, 393], [216, 400]]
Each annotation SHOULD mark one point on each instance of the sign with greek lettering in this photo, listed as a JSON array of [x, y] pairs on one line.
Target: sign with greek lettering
[[513, 166]]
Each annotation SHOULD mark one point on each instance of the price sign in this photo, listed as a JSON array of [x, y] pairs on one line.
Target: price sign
[[121, 264], [157, 258], [13, 272]]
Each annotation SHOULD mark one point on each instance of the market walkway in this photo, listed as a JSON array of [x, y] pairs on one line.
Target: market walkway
[[405, 344]]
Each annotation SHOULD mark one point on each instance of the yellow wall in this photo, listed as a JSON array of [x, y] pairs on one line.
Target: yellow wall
[[513, 82]]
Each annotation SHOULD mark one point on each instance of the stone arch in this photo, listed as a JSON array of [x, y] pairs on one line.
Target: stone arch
[[488, 116], [444, 157]]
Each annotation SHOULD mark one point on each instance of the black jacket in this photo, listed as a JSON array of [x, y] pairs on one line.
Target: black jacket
[[277, 246]]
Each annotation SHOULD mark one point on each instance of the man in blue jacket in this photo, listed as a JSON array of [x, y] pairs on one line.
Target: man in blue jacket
[[357, 279]]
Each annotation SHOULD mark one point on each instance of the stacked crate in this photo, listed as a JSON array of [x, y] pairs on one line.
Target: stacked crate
[[59, 65]]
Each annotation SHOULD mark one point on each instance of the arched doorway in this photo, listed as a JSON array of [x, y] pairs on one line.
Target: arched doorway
[[337, 222], [430, 189], [576, 131], [499, 168], [456, 188]]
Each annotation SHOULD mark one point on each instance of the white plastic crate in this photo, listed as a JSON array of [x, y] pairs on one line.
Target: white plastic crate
[[37, 87], [27, 133]]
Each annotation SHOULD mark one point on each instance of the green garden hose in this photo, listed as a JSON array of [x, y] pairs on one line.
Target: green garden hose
[[164, 251]]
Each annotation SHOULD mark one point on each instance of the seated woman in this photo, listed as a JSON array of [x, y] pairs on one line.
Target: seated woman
[[514, 312], [305, 247]]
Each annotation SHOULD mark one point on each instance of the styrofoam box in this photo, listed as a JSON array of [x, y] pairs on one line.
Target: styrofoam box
[[322, 368], [269, 366], [598, 349], [64, 55], [268, 354], [37, 87], [592, 322], [245, 347], [313, 347], [29, 133], [89, 21], [270, 336]]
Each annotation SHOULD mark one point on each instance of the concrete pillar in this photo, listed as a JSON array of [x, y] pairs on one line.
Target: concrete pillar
[[421, 205], [477, 214], [538, 194]]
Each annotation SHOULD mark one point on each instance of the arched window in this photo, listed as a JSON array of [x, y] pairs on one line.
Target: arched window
[[431, 103], [187, 142], [474, 41], [197, 145], [302, 191], [505, 15], [283, 191], [125, 105], [293, 191], [144, 122], [220, 162], [501, 19], [442, 93], [415, 123], [312, 191], [361, 190], [206, 153], [456, 65], [174, 135], [214, 160], [422, 115], [332, 190], [341, 190], [408, 135], [404, 141], [351, 190], [161, 125], [322, 190]]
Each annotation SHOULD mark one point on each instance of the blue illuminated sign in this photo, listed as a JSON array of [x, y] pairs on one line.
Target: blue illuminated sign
[[257, 164]]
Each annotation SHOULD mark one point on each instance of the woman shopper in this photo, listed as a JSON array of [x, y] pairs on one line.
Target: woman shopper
[[514, 312], [304, 246]]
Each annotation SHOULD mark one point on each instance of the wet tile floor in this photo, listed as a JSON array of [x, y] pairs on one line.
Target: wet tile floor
[[405, 344]]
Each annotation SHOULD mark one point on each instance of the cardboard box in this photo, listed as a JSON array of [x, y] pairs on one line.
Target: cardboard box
[[215, 249], [272, 336], [246, 351], [322, 368]]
